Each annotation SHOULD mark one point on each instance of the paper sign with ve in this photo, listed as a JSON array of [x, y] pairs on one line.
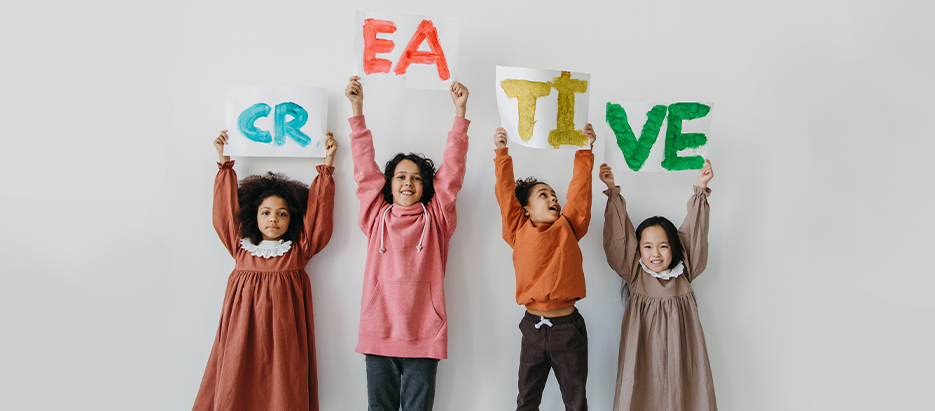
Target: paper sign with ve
[[276, 121], [543, 108], [657, 136]]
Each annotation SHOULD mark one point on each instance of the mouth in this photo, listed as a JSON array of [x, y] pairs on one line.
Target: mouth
[[655, 262], [273, 227], [407, 192], [555, 208]]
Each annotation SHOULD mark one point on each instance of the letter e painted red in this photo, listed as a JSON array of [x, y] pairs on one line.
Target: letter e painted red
[[373, 45]]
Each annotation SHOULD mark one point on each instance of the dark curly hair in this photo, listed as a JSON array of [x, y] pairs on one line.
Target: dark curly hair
[[426, 170], [523, 187], [256, 188], [675, 244]]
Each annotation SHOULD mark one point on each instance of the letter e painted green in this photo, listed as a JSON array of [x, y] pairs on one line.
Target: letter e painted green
[[677, 141]]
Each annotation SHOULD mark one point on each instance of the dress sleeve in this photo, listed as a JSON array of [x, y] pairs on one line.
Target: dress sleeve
[[578, 207], [620, 243], [450, 176], [510, 209], [319, 214], [694, 233], [226, 207], [370, 180]]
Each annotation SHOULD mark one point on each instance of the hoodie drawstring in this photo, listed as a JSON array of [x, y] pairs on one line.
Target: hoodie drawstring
[[425, 226]]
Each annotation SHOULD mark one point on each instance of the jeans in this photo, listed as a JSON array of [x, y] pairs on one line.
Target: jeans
[[395, 381]]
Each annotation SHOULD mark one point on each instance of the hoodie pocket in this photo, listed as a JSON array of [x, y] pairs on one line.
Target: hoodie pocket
[[402, 311]]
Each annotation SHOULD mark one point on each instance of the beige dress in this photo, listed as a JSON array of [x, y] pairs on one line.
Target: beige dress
[[663, 363]]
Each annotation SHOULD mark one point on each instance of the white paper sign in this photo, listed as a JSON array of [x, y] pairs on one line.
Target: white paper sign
[[276, 121], [657, 136], [543, 108], [406, 50]]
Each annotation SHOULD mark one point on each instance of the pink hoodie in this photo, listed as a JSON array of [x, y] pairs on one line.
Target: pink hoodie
[[402, 311]]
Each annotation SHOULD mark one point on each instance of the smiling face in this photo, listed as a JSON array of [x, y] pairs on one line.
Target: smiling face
[[542, 206], [406, 184], [272, 217], [655, 252]]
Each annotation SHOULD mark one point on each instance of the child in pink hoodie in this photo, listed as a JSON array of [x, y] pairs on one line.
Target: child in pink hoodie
[[408, 213]]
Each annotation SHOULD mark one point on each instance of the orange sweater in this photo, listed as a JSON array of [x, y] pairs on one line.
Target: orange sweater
[[546, 257]]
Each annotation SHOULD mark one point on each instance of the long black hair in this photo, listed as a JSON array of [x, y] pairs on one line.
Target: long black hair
[[256, 188], [426, 170]]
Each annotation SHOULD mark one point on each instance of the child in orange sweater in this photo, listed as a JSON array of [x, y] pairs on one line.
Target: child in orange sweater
[[549, 275]]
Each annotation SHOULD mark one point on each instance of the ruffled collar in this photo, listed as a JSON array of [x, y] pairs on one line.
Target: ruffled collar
[[665, 274], [266, 248]]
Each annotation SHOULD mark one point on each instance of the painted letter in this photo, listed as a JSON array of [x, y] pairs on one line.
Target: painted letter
[[250, 116], [635, 151], [292, 127], [676, 141], [565, 132], [426, 31], [526, 92], [373, 45]]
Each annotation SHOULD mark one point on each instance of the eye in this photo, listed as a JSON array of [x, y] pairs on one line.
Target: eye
[[284, 214], [264, 212], [417, 178], [663, 246]]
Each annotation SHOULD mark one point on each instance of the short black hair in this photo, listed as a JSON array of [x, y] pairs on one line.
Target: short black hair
[[523, 187], [256, 188], [426, 170], [671, 232]]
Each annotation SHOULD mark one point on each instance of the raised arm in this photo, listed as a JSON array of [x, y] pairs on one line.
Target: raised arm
[[225, 209], [367, 174], [620, 245], [450, 176], [510, 209], [694, 230], [319, 214], [578, 207]]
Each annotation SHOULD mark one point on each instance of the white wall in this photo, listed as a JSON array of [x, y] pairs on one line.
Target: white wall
[[816, 295]]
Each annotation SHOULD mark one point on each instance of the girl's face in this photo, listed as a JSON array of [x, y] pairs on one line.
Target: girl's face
[[654, 249], [272, 217], [406, 184]]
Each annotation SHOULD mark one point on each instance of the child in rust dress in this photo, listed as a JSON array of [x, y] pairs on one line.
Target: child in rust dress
[[663, 363], [263, 357]]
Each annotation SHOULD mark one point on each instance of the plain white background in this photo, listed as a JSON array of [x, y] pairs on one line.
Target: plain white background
[[818, 291]]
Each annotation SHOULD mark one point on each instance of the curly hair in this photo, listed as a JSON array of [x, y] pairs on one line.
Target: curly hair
[[256, 188], [675, 244], [426, 170], [523, 187]]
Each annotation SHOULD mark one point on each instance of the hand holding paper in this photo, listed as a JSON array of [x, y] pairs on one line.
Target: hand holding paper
[[499, 138], [459, 95], [607, 176], [331, 146], [589, 133], [355, 94], [705, 175], [219, 145]]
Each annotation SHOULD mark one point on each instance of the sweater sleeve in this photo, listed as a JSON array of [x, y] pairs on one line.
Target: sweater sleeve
[[370, 180], [620, 243], [450, 176], [225, 208], [578, 207], [694, 233], [319, 214], [510, 209]]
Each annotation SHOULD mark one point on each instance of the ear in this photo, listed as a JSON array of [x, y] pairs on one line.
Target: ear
[[525, 211]]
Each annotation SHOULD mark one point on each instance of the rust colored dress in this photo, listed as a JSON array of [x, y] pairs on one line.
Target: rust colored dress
[[264, 355], [663, 362]]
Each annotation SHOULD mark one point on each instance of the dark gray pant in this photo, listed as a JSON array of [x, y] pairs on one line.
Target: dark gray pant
[[395, 381], [563, 346]]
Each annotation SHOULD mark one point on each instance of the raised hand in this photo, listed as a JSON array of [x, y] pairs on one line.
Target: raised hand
[[219, 143], [331, 146], [607, 175], [355, 93], [705, 174], [589, 133], [499, 138], [459, 95]]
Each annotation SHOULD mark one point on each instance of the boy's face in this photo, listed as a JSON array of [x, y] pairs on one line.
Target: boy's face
[[542, 206], [406, 184]]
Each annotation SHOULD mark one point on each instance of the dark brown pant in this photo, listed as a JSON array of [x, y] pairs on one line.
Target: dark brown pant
[[562, 347]]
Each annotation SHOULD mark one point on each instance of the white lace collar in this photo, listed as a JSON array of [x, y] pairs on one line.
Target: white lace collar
[[266, 248], [665, 274]]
